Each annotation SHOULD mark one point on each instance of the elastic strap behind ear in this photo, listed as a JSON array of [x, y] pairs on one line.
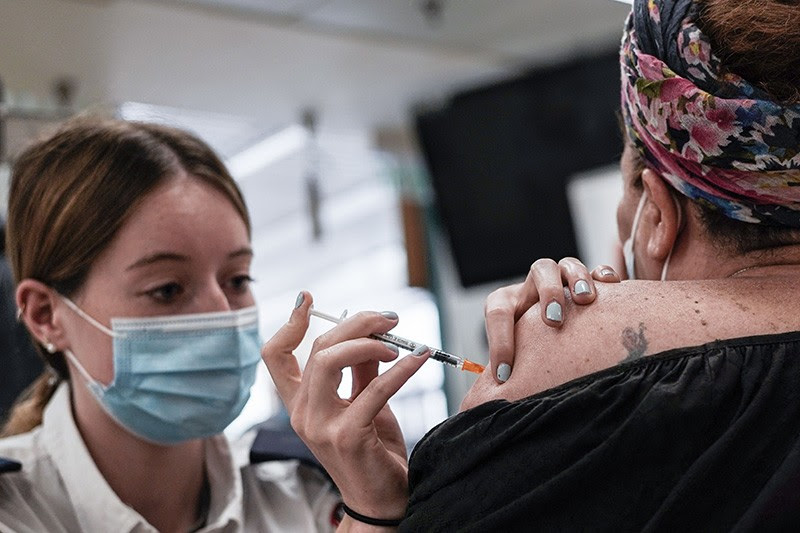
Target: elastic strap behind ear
[[88, 318], [680, 227]]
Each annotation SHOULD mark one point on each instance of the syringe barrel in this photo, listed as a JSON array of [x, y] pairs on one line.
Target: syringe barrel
[[397, 341], [445, 357]]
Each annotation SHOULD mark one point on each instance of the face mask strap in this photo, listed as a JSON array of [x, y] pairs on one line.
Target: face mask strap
[[88, 318], [680, 227], [71, 356], [627, 247], [638, 215]]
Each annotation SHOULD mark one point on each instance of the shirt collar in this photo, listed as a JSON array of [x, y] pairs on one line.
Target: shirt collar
[[226, 485], [97, 506]]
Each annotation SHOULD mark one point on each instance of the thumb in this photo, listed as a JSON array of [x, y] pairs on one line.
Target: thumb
[[278, 355]]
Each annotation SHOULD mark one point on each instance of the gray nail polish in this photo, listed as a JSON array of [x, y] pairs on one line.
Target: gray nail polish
[[607, 272], [419, 350], [392, 347], [300, 299], [582, 287], [503, 372], [391, 315], [553, 312]]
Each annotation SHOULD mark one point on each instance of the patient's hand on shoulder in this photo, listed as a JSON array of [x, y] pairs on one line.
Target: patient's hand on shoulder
[[623, 324], [546, 357], [628, 321], [548, 283]]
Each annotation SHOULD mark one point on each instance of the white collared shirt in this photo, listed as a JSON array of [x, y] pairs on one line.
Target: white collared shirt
[[60, 489]]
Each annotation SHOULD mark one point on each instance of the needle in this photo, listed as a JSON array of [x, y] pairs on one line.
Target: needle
[[436, 354]]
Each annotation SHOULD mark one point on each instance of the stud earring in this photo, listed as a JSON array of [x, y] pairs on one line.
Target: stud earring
[[50, 347]]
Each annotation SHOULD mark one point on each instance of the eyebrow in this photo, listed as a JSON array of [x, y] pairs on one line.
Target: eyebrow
[[170, 256], [243, 251], [156, 258]]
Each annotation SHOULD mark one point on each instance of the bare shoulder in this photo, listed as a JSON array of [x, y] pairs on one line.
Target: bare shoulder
[[636, 319]]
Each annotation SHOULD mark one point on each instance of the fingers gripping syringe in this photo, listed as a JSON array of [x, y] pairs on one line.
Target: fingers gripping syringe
[[436, 354]]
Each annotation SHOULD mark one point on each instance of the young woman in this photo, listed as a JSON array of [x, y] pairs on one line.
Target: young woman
[[130, 247], [130, 244]]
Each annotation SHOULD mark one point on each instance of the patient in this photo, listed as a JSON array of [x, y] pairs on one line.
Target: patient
[[663, 406]]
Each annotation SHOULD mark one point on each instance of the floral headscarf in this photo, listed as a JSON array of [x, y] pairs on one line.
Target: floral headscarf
[[712, 135]]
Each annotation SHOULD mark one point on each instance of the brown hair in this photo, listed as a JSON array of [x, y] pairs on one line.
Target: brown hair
[[71, 193], [758, 40]]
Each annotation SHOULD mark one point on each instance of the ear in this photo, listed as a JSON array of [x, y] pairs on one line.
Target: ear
[[36, 303], [663, 216]]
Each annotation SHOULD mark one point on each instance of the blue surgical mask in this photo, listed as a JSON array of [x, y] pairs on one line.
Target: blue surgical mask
[[627, 246], [177, 378]]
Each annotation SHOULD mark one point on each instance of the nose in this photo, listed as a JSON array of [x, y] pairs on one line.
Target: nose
[[212, 298]]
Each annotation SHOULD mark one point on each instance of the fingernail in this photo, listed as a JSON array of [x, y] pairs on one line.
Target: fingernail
[[300, 299], [503, 372], [582, 287], [607, 272], [419, 350], [553, 312], [392, 347], [391, 315]]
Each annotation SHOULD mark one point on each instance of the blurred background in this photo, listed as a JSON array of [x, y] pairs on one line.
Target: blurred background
[[404, 155]]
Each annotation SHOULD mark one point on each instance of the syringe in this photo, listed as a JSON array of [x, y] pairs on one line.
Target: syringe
[[436, 354]]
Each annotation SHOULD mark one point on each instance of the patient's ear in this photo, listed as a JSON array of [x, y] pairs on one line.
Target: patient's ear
[[662, 215], [36, 303]]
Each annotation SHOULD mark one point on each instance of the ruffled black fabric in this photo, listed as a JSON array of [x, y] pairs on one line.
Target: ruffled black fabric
[[695, 439]]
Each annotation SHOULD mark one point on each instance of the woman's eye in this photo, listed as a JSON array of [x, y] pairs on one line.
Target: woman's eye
[[241, 283], [167, 292]]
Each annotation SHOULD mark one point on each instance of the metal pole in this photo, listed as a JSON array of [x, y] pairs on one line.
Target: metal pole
[[2, 122]]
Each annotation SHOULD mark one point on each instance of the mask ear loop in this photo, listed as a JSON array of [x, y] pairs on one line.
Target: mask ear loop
[[83, 372], [89, 319], [627, 246], [71, 356], [680, 227]]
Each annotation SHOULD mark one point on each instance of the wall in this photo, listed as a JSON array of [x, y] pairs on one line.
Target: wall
[[161, 54]]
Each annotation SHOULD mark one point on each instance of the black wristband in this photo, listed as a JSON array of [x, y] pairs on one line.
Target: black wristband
[[368, 519]]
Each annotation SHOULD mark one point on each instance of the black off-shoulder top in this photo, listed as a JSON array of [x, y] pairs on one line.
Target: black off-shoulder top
[[703, 438]]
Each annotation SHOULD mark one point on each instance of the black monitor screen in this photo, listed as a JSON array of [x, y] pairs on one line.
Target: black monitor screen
[[499, 158]]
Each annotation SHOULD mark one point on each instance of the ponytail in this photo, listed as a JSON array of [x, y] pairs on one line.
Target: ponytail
[[28, 410], [29, 407]]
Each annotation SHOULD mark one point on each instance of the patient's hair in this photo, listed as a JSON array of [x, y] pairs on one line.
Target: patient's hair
[[759, 40]]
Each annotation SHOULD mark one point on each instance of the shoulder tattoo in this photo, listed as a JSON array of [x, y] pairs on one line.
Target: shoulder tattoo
[[634, 342]]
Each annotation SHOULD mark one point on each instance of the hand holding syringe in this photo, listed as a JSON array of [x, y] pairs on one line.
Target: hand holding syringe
[[436, 354]]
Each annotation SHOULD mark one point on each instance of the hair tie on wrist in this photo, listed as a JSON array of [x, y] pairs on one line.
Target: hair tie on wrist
[[368, 519]]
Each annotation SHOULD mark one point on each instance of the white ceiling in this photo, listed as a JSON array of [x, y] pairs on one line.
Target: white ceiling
[[512, 31], [361, 63]]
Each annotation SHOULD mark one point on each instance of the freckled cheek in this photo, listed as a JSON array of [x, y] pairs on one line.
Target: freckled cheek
[[100, 364], [244, 300], [94, 351]]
